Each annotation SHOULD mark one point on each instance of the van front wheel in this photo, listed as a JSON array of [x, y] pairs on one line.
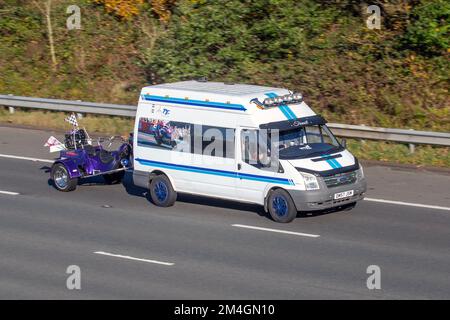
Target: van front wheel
[[281, 207], [162, 192]]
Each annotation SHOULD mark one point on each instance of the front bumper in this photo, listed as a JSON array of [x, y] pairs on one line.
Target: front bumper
[[324, 197]]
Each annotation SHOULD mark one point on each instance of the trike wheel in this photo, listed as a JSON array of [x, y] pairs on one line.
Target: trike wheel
[[61, 178]]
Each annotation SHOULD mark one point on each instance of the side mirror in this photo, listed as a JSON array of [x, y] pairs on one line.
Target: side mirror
[[344, 143]]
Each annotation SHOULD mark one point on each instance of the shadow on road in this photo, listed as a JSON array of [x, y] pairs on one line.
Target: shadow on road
[[136, 191], [133, 190], [312, 214], [222, 203]]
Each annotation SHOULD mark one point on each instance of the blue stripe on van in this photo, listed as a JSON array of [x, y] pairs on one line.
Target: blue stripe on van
[[288, 113], [332, 162], [197, 103], [229, 174], [329, 161], [336, 163]]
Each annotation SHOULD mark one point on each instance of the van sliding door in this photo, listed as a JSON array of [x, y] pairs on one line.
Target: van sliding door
[[214, 156]]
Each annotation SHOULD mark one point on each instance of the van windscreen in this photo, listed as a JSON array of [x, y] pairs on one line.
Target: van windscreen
[[307, 141]]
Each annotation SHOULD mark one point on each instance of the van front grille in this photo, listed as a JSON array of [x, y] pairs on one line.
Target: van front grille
[[340, 179]]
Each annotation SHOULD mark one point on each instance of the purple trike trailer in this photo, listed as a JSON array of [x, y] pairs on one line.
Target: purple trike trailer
[[81, 159]]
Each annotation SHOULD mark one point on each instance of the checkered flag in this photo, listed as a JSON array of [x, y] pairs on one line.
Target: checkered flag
[[72, 119]]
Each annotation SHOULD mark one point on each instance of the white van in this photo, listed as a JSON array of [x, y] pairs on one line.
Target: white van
[[241, 142]]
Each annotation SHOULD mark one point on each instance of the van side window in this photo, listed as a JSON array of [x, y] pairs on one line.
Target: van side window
[[249, 146], [255, 150], [214, 141]]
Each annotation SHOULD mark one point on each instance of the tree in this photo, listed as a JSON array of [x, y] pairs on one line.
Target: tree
[[124, 9], [220, 39], [163, 9], [46, 8], [429, 31]]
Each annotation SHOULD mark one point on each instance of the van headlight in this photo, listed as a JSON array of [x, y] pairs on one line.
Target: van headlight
[[310, 180], [360, 173]]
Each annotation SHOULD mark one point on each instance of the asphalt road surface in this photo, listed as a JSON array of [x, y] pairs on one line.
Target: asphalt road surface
[[203, 248]]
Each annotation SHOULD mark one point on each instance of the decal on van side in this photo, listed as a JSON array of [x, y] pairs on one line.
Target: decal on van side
[[186, 137], [197, 103], [164, 134], [230, 174]]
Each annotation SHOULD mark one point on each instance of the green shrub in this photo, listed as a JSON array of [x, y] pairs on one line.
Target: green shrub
[[429, 30]]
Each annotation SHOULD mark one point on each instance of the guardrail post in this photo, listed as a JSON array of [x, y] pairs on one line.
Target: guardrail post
[[412, 146], [11, 110], [362, 140], [79, 114]]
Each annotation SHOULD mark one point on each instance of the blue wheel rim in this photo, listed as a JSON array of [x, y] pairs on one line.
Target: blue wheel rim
[[280, 206], [161, 191]]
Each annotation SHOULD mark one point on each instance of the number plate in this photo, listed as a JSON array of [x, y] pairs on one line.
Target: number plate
[[344, 194]]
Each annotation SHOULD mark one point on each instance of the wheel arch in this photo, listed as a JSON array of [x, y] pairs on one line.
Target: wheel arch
[[267, 194], [271, 189], [69, 167], [158, 172], [72, 181]]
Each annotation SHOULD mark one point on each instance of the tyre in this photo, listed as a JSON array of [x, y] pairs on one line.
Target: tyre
[[113, 178], [281, 207], [162, 192], [61, 178]]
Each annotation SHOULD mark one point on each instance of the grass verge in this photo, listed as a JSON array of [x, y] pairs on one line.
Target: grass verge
[[95, 124]]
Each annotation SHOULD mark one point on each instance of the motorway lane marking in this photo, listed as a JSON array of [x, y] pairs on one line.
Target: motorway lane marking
[[133, 258], [25, 158], [276, 230], [9, 193], [408, 204]]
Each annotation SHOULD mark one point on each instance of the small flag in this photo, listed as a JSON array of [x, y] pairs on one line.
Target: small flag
[[72, 119], [54, 144]]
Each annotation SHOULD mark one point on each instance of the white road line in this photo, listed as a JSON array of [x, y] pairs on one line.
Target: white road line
[[25, 158], [132, 258], [9, 193], [408, 204], [277, 230]]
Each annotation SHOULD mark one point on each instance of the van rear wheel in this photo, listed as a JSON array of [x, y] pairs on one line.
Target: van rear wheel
[[281, 207], [162, 192]]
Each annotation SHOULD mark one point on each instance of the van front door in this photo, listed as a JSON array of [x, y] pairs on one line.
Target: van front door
[[254, 168]]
